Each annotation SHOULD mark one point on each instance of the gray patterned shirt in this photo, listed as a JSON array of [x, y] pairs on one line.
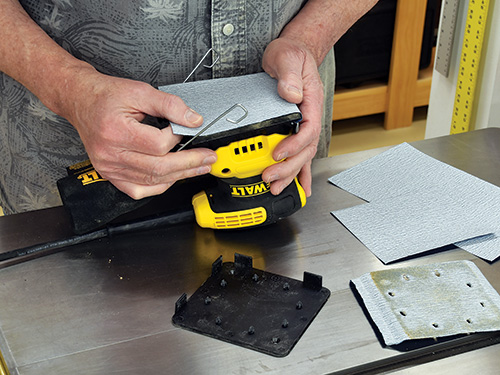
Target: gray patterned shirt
[[155, 41]]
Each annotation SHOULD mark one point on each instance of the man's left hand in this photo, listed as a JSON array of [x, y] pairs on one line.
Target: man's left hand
[[295, 68]]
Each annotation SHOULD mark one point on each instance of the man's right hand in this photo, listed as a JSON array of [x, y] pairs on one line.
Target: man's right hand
[[136, 158]]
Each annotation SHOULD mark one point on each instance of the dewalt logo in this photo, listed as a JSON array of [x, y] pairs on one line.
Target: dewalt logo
[[90, 177], [243, 191]]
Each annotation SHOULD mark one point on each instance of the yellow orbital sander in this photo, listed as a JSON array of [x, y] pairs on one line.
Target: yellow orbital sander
[[241, 198], [244, 120]]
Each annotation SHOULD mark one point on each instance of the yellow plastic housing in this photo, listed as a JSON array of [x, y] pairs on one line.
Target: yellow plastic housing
[[246, 158], [302, 193], [206, 218]]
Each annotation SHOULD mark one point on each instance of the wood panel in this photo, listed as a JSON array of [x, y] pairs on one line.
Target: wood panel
[[407, 87]]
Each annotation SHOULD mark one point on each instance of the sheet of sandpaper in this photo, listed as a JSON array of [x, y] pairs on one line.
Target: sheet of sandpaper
[[398, 227], [402, 170], [417, 203], [486, 247], [257, 93], [429, 301]]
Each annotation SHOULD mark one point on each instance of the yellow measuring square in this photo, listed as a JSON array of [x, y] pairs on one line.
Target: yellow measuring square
[[3, 367], [469, 65]]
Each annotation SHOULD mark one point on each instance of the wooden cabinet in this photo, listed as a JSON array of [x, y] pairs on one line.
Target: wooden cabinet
[[407, 87]]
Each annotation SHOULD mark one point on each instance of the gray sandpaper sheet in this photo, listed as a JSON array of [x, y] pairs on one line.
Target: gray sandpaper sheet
[[258, 93], [486, 247], [403, 170], [417, 203], [399, 227], [429, 301]]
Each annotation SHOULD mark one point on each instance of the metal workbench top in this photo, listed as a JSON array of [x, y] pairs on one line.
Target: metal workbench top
[[105, 307]]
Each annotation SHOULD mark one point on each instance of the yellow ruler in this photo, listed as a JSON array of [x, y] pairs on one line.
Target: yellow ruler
[[469, 65]]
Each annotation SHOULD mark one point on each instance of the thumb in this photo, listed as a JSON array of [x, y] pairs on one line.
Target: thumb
[[160, 104], [285, 63], [290, 85]]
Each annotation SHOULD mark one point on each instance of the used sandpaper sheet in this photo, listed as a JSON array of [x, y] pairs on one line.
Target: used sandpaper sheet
[[429, 301], [416, 203], [258, 93]]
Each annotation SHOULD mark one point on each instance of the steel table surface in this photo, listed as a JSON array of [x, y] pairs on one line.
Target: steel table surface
[[105, 307]]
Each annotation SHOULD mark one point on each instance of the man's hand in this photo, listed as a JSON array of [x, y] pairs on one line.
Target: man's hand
[[134, 157], [298, 82], [293, 59]]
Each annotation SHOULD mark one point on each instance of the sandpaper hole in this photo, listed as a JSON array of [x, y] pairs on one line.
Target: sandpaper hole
[[391, 294], [403, 313], [435, 325], [481, 303], [469, 285], [468, 321], [437, 273]]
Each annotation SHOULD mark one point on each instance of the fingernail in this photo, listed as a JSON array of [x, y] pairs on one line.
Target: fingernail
[[209, 160], [282, 156], [192, 116], [295, 91], [280, 189], [272, 178], [204, 170]]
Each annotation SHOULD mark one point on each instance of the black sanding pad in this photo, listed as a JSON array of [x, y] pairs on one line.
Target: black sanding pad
[[252, 308]]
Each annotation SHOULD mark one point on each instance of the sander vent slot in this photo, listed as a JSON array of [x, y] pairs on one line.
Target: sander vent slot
[[248, 148], [235, 220]]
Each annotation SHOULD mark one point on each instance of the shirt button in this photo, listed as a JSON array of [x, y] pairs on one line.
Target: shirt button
[[228, 29]]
